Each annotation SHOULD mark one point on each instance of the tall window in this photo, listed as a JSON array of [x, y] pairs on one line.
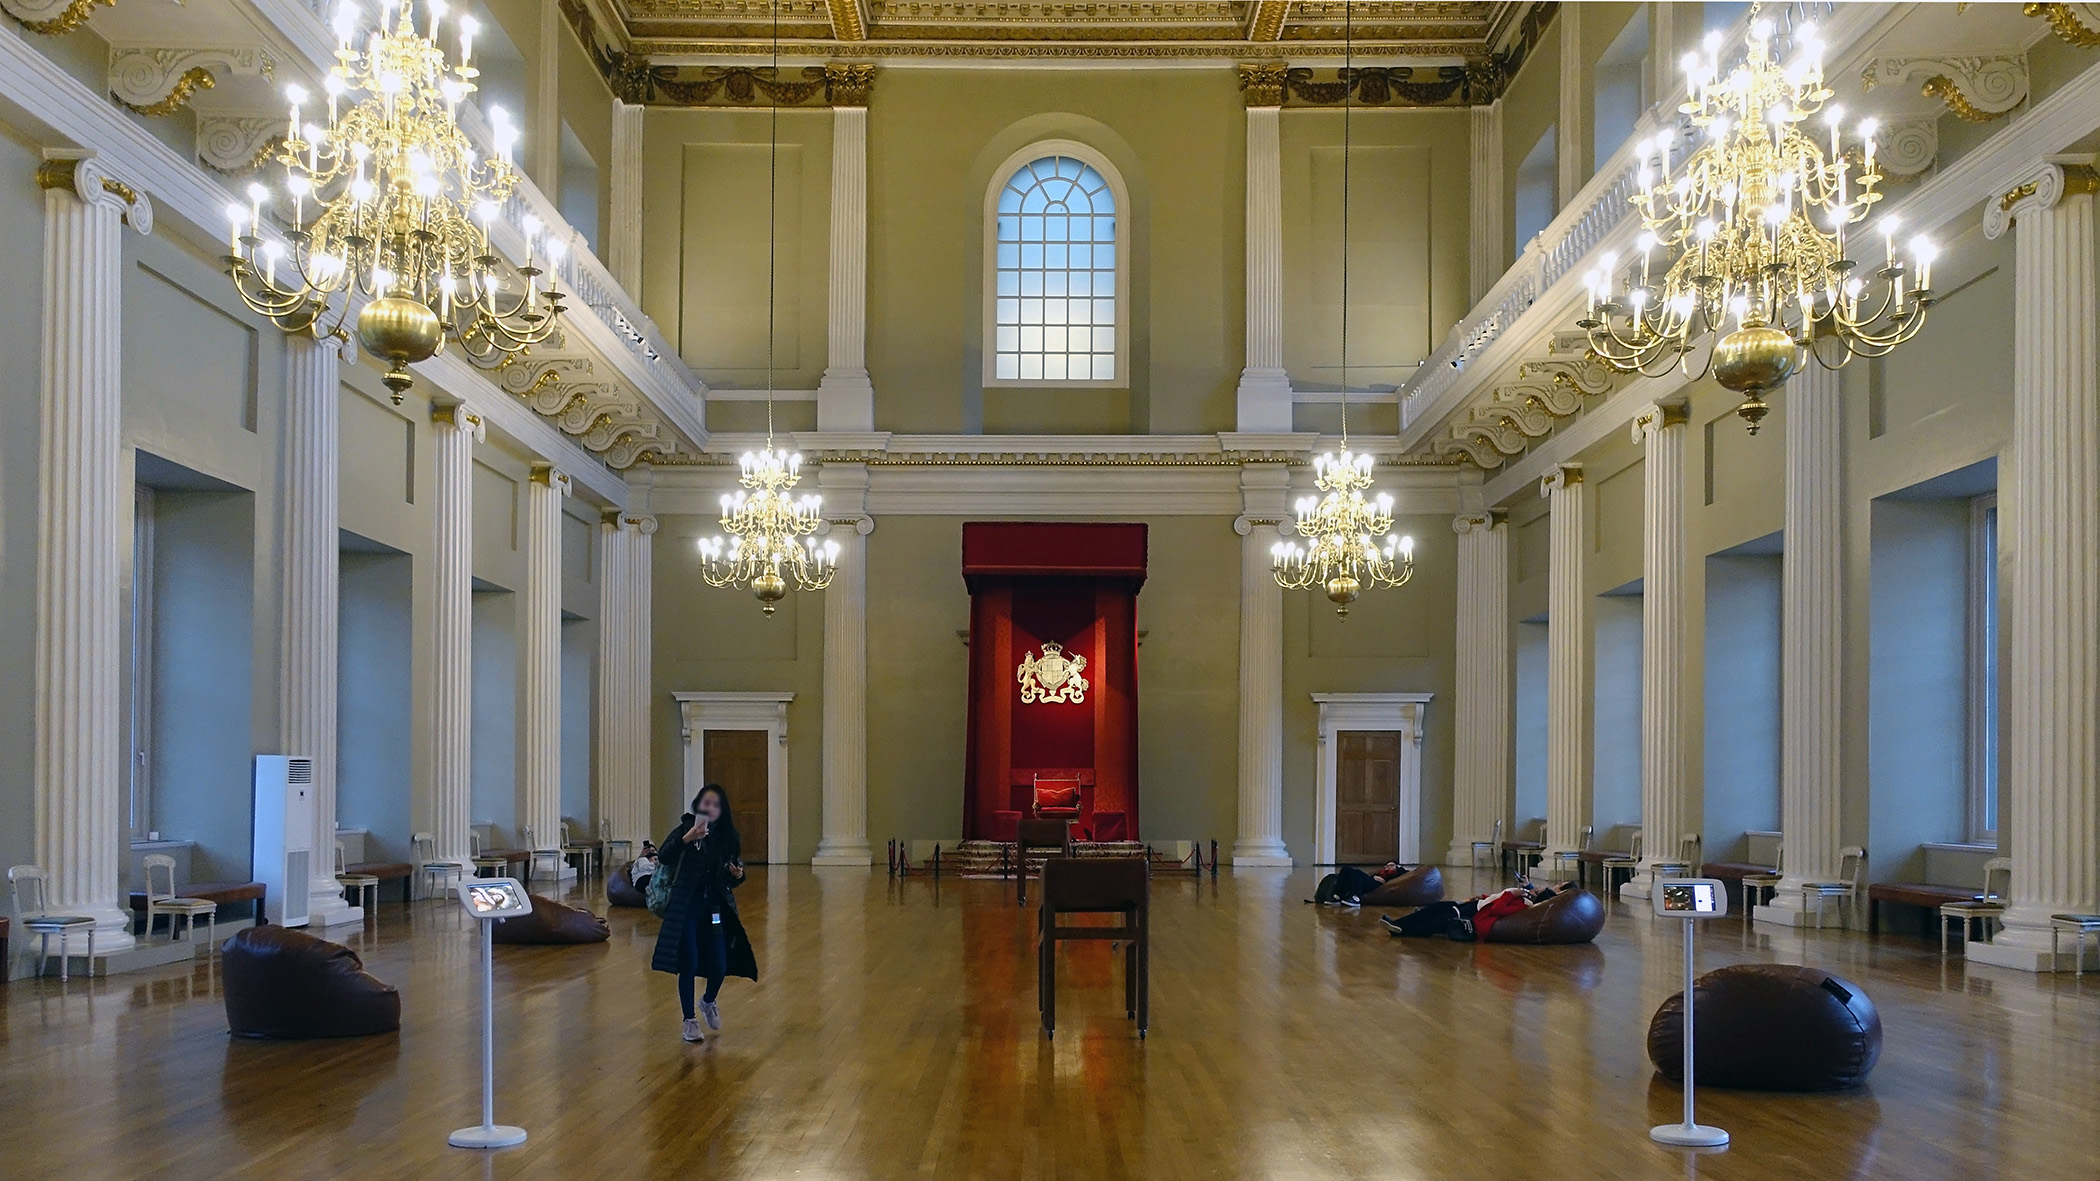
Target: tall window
[[1055, 305], [1983, 669]]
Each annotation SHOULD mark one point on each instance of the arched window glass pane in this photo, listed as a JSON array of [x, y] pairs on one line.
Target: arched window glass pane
[[1054, 303]]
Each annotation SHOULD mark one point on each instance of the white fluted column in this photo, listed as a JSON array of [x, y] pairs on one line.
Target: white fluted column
[[310, 551], [1265, 390], [453, 432], [639, 699], [83, 496], [611, 754], [1567, 663], [845, 820], [2050, 513], [845, 396], [1488, 256], [623, 249], [1571, 135], [1260, 839], [1811, 642], [1481, 720], [1665, 786], [539, 661]]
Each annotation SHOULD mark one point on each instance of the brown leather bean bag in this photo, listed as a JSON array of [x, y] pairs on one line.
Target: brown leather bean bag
[[1771, 1027], [620, 891], [1419, 886], [552, 922], [1564, 918], [284, 983]]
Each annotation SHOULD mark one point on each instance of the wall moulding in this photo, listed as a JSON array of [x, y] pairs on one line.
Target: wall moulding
[[610, 421], [52, 18], [237, 144], [1975, 87], [158, 80]]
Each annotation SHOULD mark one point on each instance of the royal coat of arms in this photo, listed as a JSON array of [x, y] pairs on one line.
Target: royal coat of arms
[[1053, 676]]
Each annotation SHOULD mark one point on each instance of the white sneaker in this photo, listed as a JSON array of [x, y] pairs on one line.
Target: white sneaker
[[713, 1013], [692, 1032]]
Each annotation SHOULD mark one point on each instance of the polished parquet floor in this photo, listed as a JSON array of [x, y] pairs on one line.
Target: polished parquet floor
[[894, 1034]]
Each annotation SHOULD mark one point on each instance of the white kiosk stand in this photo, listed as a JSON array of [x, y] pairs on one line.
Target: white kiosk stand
[[489, 899], [1689, 899]]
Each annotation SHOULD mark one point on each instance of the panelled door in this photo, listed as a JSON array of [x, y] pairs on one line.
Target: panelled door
[[1367, 796], [736, 759]]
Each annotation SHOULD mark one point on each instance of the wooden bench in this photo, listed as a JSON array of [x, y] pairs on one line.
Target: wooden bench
[[1732, 874], [387, 871], [1922, 894], [223, 893], [1597, 857]]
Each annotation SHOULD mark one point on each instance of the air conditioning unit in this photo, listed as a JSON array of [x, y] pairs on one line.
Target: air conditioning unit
[[284, 834]]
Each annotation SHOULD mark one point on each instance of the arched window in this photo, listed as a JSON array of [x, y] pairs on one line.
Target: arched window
[[1056, 293]]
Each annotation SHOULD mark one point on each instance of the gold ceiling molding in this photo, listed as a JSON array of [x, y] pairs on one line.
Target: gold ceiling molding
[[158, 80], [849, 19], [52, 18], [1392, 86], [606, 419], [839, 84], [1527, 409], [1265, 23], [1976, 87], [2063, 21]]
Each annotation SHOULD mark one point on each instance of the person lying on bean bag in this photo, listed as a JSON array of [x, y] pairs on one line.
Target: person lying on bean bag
[[1348, 885], [1475, 917]]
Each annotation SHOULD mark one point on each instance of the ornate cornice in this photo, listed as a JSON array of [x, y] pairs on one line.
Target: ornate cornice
[[1518, 413], [1390, 86], [1975, 87], [52, 18], [609, 421], [1265, 21], [237, 144], [157, 80], [849, 19]]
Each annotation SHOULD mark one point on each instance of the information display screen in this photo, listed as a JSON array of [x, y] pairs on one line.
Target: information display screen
[[494, 898], [1691, 898]]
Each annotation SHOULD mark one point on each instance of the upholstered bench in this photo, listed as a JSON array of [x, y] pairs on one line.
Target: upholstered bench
[[223, 893], [552, 922], [1419, 886], [1733, 872], [1597, 857], [1771, 1027], [284, 983], [387, 871], [1574, 917], [620, 889], [1921, 894]]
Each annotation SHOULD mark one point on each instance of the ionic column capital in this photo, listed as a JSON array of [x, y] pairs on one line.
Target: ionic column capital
[[83, 175], [2046, 184], [1467, 523], [1560, 479], [453, 412], [1246, 523], [1662, 413], [550, 476]]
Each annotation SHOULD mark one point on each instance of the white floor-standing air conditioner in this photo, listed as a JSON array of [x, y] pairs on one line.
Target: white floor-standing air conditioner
[[284, 829]]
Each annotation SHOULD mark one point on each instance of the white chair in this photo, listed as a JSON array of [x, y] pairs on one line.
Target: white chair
[[25, 884], [365, 884], [483, 865], [437, 876], [160, 902], [585, 852], [1526, 853], [1631, 863], [1852, 866], [1759, 887], [618, 850], [1985, 908], [1689, 857], [1492, 846], [1573, 857], [2078, 926], [552, 856]]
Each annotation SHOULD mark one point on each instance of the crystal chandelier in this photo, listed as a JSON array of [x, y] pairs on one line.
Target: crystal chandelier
[[1348, 538], [1752, 233], [389, 200], [771, 533]]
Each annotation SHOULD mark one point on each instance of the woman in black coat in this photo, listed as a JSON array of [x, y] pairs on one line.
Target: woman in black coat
[[701, 936]]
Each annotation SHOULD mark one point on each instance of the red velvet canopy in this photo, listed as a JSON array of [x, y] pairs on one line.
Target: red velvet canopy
[[1064, 583]]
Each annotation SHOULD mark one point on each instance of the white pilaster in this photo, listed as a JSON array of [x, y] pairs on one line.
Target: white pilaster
[[1665, 790], [1481, 721], [453, 431], [639, 700], [83, 496], [539, 661], [623, 249], [1567, 663], [310, 551], [1487, 255], [2050, 824], [845, 821], [1571, 136], [1260, 840], [613, 757], [1265, 390], [845, 396], [1811, 639]]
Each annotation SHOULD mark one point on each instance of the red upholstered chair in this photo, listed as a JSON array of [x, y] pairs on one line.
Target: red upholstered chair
[[1057, 797]]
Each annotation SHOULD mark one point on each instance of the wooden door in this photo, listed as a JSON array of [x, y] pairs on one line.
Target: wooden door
[[736, 759], [1367, 796]]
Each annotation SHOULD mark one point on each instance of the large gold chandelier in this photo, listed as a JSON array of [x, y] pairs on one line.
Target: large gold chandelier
[[1752, 233], [771, 532], [389, 199], [1348, 545]]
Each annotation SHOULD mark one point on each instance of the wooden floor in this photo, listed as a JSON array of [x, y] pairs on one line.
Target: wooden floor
[[894, 1035]]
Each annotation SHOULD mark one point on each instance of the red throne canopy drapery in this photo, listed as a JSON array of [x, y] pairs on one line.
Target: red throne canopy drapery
[[1074, 586]]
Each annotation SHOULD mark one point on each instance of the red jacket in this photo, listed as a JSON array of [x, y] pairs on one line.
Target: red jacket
[[1509, 901]]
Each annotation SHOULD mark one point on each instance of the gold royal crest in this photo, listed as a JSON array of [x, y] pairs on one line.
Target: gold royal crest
[[1053, 676]]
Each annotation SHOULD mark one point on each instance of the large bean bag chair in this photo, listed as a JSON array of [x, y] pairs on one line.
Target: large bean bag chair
[[552, 922], [620, 891], [284, 983], [1419, 886], [1575, 917], [1771, 1027]]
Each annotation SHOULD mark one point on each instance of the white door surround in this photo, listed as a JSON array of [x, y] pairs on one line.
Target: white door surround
[[1404, 713], [700, 712]]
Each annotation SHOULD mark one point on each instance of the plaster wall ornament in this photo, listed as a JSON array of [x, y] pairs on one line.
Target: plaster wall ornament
[[608, 420], [52, 18], [157, 80], [1906, 148], [1505, 425], [1053, 676], [2078, 24], [1976, 87], [237, 144]]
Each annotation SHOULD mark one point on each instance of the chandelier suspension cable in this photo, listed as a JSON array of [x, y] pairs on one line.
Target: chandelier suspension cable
[[771, 542], [1348, 97]]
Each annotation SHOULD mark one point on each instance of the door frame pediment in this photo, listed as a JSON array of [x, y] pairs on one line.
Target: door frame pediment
[[699, 712], [1404, 713]]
